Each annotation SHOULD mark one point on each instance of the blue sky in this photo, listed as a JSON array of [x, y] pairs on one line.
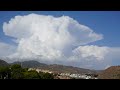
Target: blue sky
[[99, 52], [104, 22]]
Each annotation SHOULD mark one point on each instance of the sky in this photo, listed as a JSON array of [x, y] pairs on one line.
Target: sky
[[88, 39]]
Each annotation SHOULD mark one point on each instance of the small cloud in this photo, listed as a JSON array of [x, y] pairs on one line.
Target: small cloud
[[107, 66]]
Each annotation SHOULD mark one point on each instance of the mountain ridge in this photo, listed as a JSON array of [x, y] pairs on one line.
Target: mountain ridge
[[54, 67]]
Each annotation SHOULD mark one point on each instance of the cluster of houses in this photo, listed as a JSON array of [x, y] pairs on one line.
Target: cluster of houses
[[66, 75], [40, 70], [78, 76]]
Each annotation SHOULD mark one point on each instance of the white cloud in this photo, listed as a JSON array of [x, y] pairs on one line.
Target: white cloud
[[56, 40], [48, 36], [95, 57], [107, 66], [60, 29], [92, 51]]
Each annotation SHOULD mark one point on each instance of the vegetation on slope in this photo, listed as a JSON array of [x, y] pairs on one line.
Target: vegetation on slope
[[17, 72]]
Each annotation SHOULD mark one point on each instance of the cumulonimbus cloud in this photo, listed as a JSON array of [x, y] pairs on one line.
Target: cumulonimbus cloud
[[53, 39]]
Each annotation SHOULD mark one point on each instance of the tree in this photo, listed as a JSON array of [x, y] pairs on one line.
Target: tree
[[46, 75], [16, 72], [31, 75], [5, 73]]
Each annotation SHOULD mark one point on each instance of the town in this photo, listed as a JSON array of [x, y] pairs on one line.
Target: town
[[66, 75]]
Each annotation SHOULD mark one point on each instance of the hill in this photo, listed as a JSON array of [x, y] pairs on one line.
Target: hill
[[112, 72], [55, 67], [68, 69], [3, 63], [30, 64]]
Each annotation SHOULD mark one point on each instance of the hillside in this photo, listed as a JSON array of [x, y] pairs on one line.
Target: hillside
[[67, 69], [30, 64], [55, 67], [3, 63], [112, 72]]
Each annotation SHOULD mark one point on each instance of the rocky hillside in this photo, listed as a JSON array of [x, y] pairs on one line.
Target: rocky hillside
[[112, 72]]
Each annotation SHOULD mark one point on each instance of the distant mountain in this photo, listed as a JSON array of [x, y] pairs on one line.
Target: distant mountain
[[55, 67], [112, 72], [3, 63], [30, 64]]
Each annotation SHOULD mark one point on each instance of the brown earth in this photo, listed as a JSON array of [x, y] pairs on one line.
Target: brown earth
[[112, 72]]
